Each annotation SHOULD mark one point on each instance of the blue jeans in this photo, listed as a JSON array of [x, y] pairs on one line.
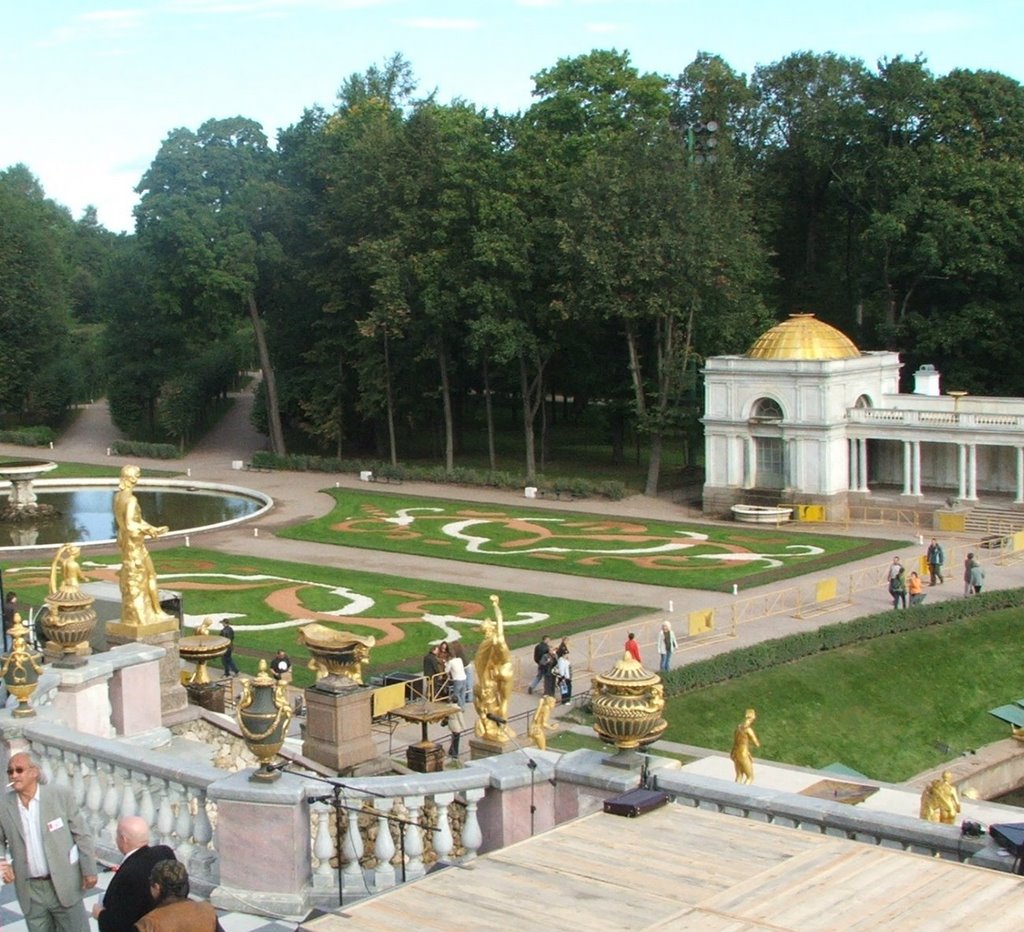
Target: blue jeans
[[666, 659], [459, 690]]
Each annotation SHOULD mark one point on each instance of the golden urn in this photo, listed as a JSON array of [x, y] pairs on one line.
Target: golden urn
[[336, 653], [263, 716], [627, 703], [21, 669], [199, 649], [70, 618]]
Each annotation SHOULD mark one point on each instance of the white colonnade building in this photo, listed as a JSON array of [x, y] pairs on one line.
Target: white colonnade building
[[806, 417]]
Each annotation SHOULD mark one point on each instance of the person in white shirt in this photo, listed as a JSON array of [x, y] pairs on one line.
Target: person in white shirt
[[455, 668]]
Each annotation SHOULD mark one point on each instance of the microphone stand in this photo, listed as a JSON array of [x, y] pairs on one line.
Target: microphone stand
[[336, 800]]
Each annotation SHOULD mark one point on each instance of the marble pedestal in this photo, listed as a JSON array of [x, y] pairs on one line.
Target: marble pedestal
[[173, 698], [339, 718], [486, 747]]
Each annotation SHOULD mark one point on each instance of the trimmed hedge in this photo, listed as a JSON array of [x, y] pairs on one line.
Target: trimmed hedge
[[156, 451], [773, 653], [29, 436], [460, 475]]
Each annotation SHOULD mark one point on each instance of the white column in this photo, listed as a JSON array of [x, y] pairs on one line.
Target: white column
[[961, 471], [972, 472], [748, 463], [916, 483], [851, 465], [862, 469], [907, 466], [1020, 477]]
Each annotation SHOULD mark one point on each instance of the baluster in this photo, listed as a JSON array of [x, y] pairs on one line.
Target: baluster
[[165, 815], [78, 781], [45, 764], [414, 839], [472, 837], [147, 808], [384, 846], [203, 862], [202, 827], [352, 847], [443, 841], [128, 806], [94, 797], [323, 848], [61, 776], [183, 824], [111, 800]]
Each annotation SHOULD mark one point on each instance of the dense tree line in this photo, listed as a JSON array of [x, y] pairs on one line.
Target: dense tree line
[[403, 270]]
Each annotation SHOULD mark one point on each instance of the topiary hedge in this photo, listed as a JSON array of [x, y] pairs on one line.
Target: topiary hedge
[[460, 475], [768, 654], [156, 451], [28, 436]]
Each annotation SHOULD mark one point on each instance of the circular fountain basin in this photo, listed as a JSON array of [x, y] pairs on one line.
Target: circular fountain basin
[[85, 513]]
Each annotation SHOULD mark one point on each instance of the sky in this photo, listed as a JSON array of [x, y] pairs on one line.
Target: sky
[[91, 89]]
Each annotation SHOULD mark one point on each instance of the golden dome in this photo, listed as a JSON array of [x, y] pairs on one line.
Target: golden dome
[[803, 337]]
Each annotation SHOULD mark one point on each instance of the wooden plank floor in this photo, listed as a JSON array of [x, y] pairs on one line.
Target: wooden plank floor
[[680, 868]]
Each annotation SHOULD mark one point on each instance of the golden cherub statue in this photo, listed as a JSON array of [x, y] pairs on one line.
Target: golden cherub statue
[[940, 801]]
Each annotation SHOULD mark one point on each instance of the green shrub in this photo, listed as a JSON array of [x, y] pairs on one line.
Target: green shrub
[[28, 436], [156, 451]]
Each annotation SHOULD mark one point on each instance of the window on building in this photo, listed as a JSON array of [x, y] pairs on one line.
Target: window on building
[[770, 466], [766, 410]]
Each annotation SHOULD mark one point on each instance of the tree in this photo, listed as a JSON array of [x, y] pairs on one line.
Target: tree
[[204, 216]]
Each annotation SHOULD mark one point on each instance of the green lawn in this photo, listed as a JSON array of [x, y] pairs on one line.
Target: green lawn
[[888, 708], [265, 595], [632, 550]]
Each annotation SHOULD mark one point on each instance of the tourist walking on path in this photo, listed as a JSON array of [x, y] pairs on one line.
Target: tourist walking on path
[[898, 588], [970, 565], [666, 645], [935, 557], [228, 661], [633, 647], [563, 675], [977, 579], [542, 648]]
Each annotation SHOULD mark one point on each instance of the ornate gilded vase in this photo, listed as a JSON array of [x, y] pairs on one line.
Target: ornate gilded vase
[[199, 649], [20, 670], [336, 653], [627, 703], [263, 716]]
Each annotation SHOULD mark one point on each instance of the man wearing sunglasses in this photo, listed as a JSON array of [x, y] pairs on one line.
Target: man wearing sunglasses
[[52, 861]]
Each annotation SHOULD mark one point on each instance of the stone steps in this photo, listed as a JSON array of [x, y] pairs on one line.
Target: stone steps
[[994, 519]]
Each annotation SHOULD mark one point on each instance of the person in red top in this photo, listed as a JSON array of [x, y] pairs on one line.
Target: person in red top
[[633, 647]]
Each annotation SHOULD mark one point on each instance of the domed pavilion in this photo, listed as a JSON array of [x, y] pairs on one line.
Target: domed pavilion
[[805, 417]]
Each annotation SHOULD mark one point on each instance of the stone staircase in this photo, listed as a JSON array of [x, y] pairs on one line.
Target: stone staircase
[[990, 519]]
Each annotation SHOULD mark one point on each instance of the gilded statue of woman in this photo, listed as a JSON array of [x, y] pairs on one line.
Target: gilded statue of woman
[[140, 600], [493, 688], [940, 801], [743, 737]]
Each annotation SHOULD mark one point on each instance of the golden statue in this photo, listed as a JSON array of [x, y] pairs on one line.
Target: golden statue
[[541, 722], [940, 801], [71, 574], [494, 672], [743, 737], [140, 600]]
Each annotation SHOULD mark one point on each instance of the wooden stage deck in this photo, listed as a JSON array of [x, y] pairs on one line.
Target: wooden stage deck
[[682, 868]]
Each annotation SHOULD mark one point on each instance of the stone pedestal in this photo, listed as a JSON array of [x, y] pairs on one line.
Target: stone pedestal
[[173, 698], [209, 696], [135, 689], [425, 757], [83, 699], [339, 718], [485, 747]]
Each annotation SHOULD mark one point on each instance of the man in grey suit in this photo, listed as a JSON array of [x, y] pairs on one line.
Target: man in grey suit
[[52, 859]]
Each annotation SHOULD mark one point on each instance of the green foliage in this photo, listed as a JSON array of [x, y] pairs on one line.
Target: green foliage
[[29, 436], [159, 451]]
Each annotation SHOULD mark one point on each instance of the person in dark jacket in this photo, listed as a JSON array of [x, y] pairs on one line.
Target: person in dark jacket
[[127, 898]]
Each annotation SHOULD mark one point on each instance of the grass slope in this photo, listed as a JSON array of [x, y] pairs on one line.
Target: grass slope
[[889, 708]]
